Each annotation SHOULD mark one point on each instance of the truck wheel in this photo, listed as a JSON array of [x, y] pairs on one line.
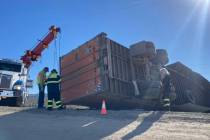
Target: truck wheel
[[18, 101], [15, 101]]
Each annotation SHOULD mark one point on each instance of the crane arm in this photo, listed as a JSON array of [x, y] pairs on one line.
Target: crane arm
[[33, 55]]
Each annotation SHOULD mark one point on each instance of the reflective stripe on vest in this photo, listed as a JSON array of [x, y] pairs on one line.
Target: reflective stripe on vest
[[166, 100], [58, 106], [166, 105], [51, 82], [53, 78]]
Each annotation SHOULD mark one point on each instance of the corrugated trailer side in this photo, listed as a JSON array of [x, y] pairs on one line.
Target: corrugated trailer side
[[118, 74], [98, 69], [80, 72]]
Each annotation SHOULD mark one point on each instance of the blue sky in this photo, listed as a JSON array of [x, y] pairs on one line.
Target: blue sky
[[180, 26]]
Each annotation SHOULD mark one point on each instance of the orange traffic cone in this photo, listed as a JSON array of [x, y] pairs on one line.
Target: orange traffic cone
[[103, 109]]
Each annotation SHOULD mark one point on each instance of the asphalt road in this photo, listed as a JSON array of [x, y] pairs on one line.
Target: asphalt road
[[33, 124]]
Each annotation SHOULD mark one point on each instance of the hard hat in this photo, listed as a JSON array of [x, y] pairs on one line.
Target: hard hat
[[54, 71], [163, 73], [46, 69]]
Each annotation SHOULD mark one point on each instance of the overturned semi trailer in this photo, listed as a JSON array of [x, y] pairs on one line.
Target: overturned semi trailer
[[98, 69], [192, 89], [126, 78]]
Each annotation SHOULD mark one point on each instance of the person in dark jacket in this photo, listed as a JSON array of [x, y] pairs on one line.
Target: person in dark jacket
[[166, 81], [53, 87]]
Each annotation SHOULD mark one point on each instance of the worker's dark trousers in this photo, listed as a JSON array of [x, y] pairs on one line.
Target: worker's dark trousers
[[166, 93], [41, 96], [56, 97]]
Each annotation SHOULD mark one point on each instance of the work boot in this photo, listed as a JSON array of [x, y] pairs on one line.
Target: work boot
[[166, 104], [61, 107], [41, 108], [49, 108]]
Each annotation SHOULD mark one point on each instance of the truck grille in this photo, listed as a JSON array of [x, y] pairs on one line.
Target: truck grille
[[5, 81]]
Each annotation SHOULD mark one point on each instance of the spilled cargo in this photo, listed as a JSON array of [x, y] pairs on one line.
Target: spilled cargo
[[125, 77]]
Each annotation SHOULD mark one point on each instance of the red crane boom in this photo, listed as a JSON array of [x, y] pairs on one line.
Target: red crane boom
[[33, 55]]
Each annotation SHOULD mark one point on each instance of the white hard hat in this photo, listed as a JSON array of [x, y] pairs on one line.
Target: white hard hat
[[164, 72]]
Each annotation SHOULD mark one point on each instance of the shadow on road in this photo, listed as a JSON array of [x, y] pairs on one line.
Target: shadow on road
[[145, 125], [68, 124]]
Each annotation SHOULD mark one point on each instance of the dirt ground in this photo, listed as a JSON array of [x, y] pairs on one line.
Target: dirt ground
[[30, 123]]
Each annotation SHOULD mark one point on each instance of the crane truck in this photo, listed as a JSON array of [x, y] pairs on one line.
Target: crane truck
[[14, 75]]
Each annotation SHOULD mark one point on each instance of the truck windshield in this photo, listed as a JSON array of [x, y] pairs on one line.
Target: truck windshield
[[10, 67]]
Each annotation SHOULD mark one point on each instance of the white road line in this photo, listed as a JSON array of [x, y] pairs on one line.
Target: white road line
[[89, 124]]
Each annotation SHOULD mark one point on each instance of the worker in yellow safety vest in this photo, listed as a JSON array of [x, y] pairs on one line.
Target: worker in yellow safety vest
[[53, 87], [41, 78]]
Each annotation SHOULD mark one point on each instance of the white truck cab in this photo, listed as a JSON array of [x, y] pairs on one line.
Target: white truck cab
[[13, 82]]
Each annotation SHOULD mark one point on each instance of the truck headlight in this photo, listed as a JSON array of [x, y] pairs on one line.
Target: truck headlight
[[17, 87]]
